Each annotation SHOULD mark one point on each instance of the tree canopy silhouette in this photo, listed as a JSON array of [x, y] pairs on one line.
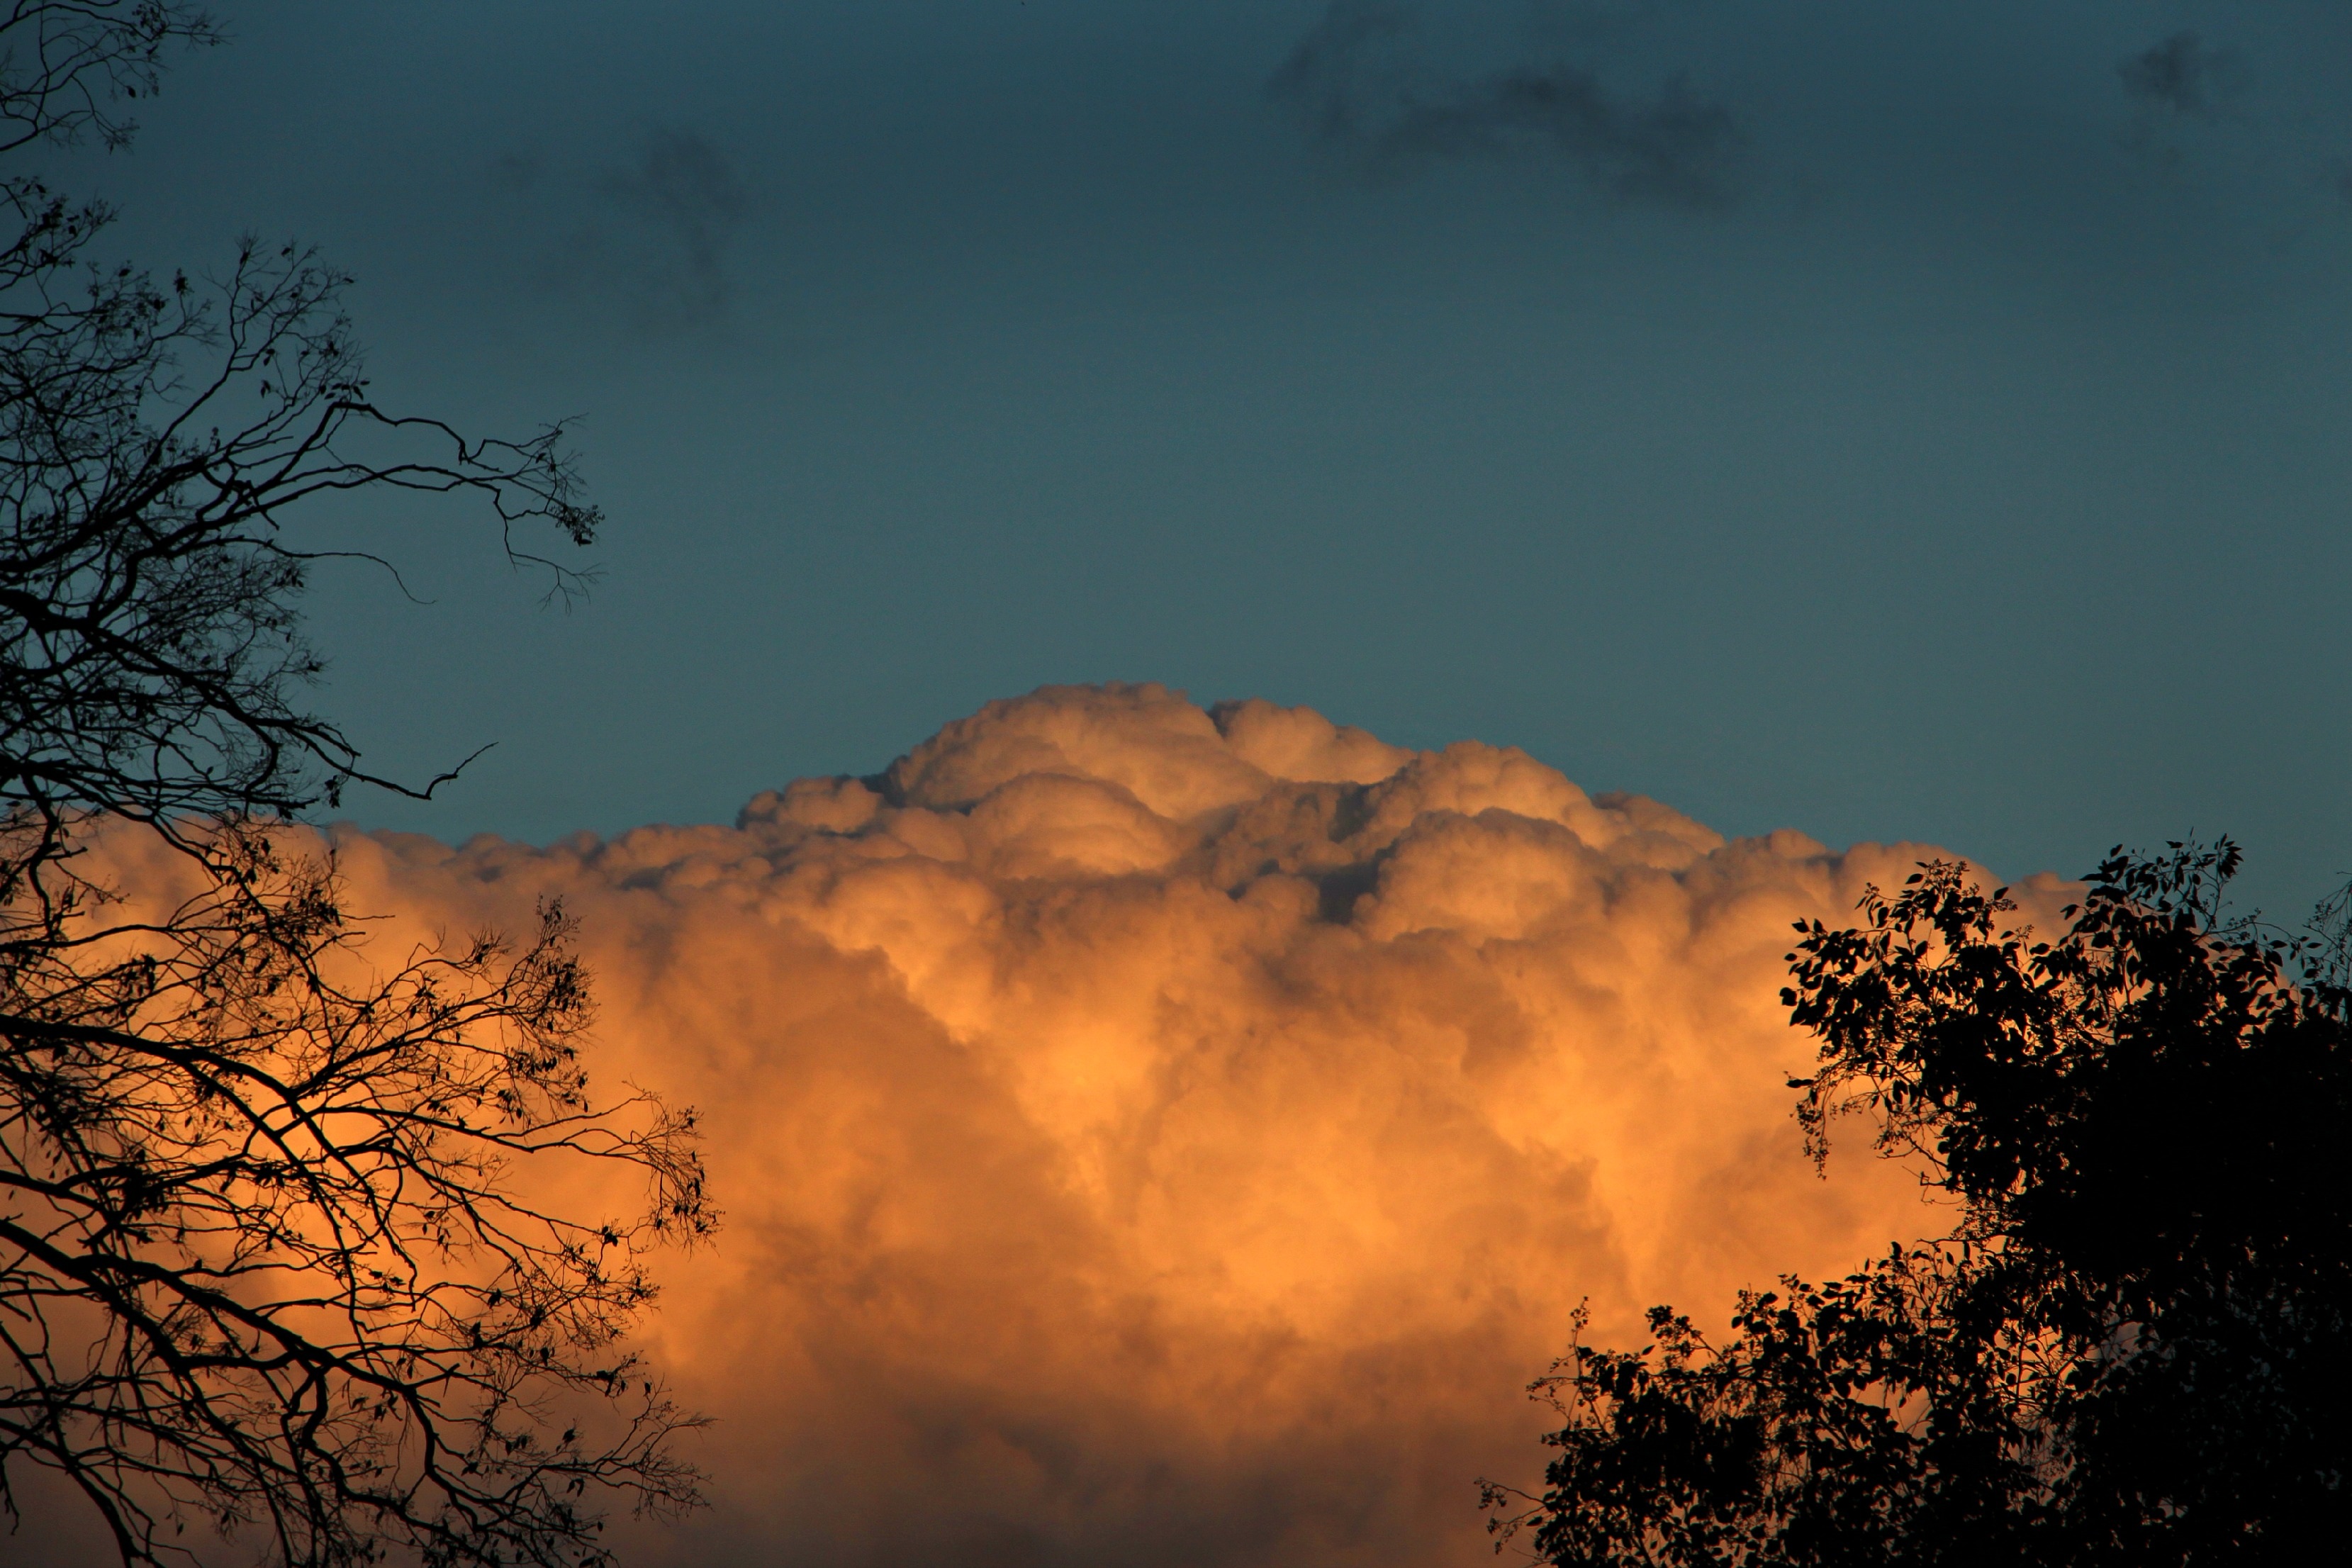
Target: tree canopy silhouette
[[278, 1259], [2132, 1349]]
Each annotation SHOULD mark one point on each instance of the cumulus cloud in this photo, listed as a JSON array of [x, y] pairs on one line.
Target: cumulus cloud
[[1354, 81], [1170, 1135]]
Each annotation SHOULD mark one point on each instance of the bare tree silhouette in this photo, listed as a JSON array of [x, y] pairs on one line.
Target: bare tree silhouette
[[269, 1263]]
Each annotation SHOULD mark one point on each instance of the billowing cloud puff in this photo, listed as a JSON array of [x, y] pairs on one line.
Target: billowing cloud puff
[[1158, 1135]]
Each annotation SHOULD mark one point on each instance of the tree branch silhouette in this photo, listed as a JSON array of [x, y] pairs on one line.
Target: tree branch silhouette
[[269, 1257]]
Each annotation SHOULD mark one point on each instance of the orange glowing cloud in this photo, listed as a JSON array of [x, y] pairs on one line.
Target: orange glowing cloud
[[1159, 1135]]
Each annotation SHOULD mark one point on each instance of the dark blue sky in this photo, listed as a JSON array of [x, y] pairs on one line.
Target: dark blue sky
[[1883, 419]]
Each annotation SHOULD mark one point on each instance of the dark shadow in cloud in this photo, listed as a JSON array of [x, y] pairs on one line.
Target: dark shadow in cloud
[[2176, 84], [1321, 80], [2189, 97], [2180, 75], [1675, 148], [653, 236], [683, 203], [1354, 83]]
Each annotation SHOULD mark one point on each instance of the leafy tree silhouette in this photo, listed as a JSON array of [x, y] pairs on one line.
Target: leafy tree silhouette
[[2131, 1349], [270, 1259]]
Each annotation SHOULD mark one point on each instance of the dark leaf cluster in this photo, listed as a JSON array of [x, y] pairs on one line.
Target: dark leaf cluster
[[67, 66], [2132, 1348]]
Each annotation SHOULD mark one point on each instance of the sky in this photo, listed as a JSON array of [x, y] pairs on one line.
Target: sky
[[1880, 421], [1672, 443]]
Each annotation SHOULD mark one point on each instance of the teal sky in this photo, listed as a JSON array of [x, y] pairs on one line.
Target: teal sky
[[1920, 420]]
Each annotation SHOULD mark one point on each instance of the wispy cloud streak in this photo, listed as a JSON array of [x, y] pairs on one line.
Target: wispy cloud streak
[[1354, 82]]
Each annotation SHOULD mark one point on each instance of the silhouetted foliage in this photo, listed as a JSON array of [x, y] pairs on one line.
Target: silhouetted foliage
[[281, 1250], [2132, 1348]]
